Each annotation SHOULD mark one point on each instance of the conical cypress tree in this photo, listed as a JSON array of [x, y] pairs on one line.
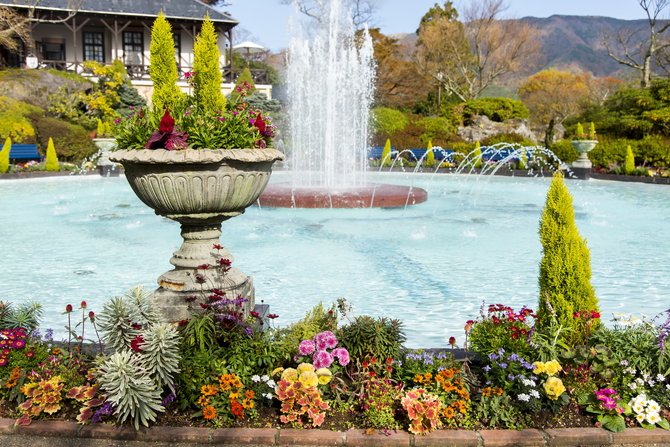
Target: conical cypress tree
[[4, 156], [386, 153], [629, 165], [523, 160], [207, 89], [163, 66], [245, 76], [477, 156], [52, 159], [565, 268], [430, 156]]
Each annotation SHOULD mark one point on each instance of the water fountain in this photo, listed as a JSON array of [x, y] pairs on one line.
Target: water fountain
[[330, 86]]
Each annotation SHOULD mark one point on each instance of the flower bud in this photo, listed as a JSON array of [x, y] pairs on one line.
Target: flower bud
[[83, 304], [68, 308]]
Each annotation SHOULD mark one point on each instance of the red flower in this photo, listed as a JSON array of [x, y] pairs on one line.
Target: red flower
[[272, 316], [191, 298], [452, 341], [225, 262], [204, 266], [135, 344], [254, 314], [389, 360], [91, 315], [389, 368], [205, 306], [515, 335], [167, 122], [372, 374], [218, 247], [83, 304], [259, 123], [365, 364], [373, 360], [182, 323], [595, 314], [68, 308]]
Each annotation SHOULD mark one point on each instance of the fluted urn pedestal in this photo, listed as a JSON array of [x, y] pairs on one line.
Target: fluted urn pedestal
[[199, 189], [582, 166]]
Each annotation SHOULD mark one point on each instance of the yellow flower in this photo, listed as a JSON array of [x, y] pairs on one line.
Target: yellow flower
[[539, 368], [305, 367], [554, 388], [309, 379], [247, 403], [552, 368], [277, 370], [324, 375], [290, 374], [234, 395]]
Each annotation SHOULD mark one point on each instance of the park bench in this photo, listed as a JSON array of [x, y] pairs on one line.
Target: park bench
[[440, 154], [375, 152], [25, 152]]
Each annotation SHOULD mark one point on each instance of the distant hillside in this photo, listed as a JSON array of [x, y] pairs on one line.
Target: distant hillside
[[575, 43]]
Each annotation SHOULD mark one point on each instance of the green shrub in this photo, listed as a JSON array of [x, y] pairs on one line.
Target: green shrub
[[71, 141], [496, 109], [69, 75], [629, 165], [436, 129], [430, 155], [386, 152], [52, 159], [565, 268], [367, 337], [4, 156], [523, 161], [507, 138], [206, 55], [14, 121], [163, 66], [259, 101], [245, 76], [565, 151], [477, 156], [388, 121], [316, 320]]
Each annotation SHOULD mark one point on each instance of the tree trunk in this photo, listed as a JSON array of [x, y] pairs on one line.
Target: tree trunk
[[549, 134]]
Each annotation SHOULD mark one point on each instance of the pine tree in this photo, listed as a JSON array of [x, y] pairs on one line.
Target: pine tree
[[629, 165], [163, 66], [4, 156], [430, 155], [477, 156], [52, 159], [206, 55], [565, 268], [523, 160], [245, 76]]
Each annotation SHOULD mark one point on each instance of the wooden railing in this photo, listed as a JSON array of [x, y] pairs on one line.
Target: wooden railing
[[141, 72]]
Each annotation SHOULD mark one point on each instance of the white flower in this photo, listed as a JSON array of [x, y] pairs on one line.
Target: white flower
[[268, 396], [632, 386], [660, 377], [653, 418], [535, 394], [651, 382], [640, 417], [639, 409], [265, 377], [271, 383], [653, 406], [528, 382], [524, 397], [640, 381], [636, 321], [256, 378], [629, 371], [641, 399]]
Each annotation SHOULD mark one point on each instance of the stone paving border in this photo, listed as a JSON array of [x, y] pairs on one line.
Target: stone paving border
[[351, 438]]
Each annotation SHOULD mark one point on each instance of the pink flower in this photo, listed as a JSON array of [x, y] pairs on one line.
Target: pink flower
[[342, 355], [322, 359], [325, 340], [306, 347]]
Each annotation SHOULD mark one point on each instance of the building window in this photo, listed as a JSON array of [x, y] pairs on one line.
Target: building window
[[93, 47], [133, 48], [53, 49], [177, 48]]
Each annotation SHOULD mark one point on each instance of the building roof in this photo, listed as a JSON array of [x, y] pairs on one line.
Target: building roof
[[173, 9]]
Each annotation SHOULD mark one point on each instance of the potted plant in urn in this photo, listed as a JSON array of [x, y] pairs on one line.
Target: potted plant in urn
[[104, 140], [583, 142], [198, 160]]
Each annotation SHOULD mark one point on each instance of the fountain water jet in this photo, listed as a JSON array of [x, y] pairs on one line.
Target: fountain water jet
[[330, 86]]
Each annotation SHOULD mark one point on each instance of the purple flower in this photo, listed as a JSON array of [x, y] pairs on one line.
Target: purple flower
[[503, 365], [322, 359], [493, 357], [306, 347], [342, 355], [487, 368]]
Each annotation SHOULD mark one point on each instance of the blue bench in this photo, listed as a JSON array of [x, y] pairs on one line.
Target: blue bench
[[376, 152], [440, 154], [489, 154], [25, 152]]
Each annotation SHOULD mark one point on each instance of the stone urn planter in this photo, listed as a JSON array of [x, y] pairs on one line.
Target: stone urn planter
[[583, 147], [199, 189], [105, 147]]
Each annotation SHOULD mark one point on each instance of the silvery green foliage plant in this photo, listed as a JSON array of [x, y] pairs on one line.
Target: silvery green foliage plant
[[27, 315], [122, 318], [130, 388], [160, 354]]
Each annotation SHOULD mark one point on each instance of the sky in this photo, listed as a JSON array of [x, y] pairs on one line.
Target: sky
[[266, 19]]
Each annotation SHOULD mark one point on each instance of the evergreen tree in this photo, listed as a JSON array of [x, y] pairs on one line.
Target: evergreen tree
[[629, 165], [163, 66], [206, 55], [523, 160], [430, 156], [52, 159], [245, 76], [4, 156], [477, 156], [386, 152], [565, 268]]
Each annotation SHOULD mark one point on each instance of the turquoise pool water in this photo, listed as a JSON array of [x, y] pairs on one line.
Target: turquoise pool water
[[89, 238]]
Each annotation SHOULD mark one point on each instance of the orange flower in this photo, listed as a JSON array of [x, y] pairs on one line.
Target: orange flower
[[448, 413], [209, 413], [249, 394], [203, 401], [247, 403], [208, 390], [486, 391]]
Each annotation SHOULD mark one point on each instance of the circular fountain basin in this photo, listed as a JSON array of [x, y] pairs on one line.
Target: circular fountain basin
[[371, 195]]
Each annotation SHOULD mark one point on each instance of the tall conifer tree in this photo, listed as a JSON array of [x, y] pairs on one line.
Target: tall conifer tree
[[163, 65], [4, 156], [206, 55], [565, 268]]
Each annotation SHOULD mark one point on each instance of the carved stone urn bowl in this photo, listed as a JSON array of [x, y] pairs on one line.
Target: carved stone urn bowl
[[199, 188], [583, 147]]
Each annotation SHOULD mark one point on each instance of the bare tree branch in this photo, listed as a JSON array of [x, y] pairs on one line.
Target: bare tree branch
[[362, 11]]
